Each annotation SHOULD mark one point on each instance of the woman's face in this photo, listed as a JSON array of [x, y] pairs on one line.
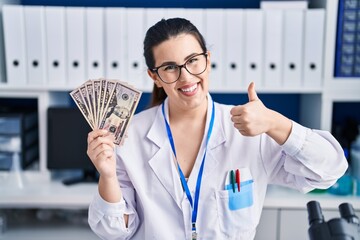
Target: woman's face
[[189, 91]]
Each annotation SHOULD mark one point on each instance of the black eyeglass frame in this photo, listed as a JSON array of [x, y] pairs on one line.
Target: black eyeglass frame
[[182, 66]]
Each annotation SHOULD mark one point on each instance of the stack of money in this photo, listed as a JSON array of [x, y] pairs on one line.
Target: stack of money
[[107, 104]]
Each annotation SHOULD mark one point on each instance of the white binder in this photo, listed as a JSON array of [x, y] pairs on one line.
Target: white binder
[[14, 39], [174, 13], [135, 27], [55, 45], [313, 47], [153, 15], [95, 43], [254, 37], [214, 37], [293, 48], [197, 17], [115, 45], [75, 25], [35, 44], [234, 49], [273, 48]]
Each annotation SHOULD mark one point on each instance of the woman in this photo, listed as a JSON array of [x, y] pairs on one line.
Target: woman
[[191, 168]]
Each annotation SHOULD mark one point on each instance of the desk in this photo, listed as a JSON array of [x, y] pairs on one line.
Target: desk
[[40, 192], [284, 214]]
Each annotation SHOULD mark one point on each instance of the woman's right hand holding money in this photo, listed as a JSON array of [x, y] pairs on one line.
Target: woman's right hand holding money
[[101, 152]]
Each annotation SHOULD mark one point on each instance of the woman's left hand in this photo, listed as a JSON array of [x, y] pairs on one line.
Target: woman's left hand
[[252, 118]]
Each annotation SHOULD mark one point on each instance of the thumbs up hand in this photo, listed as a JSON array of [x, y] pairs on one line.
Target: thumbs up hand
[[252, 118]]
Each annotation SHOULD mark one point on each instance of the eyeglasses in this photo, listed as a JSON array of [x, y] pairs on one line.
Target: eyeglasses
[[170, 73]]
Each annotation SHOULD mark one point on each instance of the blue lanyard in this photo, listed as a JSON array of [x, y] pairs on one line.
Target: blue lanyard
[[182, 177]]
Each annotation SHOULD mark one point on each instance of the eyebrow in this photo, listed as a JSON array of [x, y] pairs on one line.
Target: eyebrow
[[174, 63]]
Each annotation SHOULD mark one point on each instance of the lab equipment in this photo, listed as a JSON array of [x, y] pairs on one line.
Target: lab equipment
[[346, 227]]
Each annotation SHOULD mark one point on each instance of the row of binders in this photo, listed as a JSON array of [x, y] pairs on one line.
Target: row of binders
[[347, 59], [64, 46]]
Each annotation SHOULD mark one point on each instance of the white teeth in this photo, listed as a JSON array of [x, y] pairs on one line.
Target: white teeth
[[190, 89]]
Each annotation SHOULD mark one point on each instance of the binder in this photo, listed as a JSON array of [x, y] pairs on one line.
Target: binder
[[153, 15], [55, 45], [273, 48], [214, 37], [115, 45], [95, 43], [197, 17], [14, 39], [2, 51], [347, 54], [35, 44], [313, 47], [293, 48], [75, 40], [174, 13], [254, 36], [135, 27], [234, 49]]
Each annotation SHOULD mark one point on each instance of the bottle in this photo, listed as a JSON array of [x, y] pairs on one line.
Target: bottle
[[16, 171]]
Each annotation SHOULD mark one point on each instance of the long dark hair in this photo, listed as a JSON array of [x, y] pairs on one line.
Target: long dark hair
[[160, 32]]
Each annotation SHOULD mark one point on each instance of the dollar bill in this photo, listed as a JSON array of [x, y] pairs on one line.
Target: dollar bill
[[90, 97], [101, 97], [76, 96], [120, 109], [109, 90], [85, 97], [96, 94], [107, 104]]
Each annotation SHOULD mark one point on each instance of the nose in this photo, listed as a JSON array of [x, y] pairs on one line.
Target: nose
[[184, 74]]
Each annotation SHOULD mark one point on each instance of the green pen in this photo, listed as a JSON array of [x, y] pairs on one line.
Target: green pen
[[232, 180]]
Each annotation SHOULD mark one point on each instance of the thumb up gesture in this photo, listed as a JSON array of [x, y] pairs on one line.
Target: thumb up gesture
[[251, 118]]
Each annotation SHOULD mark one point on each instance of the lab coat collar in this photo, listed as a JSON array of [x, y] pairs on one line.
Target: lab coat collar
[[162, 163]]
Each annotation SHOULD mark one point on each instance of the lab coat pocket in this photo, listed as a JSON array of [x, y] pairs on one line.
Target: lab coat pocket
[[235, 208], [242, 199]]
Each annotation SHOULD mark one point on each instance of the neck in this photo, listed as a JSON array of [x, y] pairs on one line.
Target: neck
[[177, 114]]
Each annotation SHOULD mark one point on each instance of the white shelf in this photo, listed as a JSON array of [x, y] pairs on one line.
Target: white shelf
[[13, 90]]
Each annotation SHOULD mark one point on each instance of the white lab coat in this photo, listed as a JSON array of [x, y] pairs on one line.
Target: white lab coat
[[157, 205]]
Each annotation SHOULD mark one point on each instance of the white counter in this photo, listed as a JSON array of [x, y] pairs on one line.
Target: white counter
[[40, 192], [281, 197]]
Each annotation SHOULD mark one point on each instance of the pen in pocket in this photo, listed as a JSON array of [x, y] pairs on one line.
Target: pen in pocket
[[238, 179], [232, 180], [235, 179]]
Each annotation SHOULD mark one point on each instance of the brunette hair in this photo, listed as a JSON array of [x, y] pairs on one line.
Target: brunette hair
[[160, 32]]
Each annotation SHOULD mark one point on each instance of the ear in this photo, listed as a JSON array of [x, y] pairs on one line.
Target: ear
[[154, 77], [208, 68]]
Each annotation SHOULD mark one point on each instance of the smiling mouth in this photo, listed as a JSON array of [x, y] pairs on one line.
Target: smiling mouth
[[189, 89]]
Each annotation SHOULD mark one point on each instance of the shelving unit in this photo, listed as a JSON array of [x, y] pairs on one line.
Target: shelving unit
[[316, 109], [315, 103], [334, 89]]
